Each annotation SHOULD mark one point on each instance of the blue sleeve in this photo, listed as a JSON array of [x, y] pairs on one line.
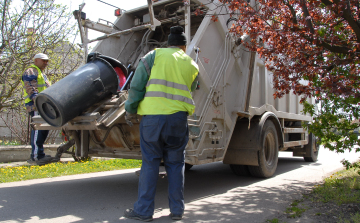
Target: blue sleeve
[[138, 84], [29, 78]]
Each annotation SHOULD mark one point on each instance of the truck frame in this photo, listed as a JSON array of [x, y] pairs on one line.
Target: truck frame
[[236, 120]]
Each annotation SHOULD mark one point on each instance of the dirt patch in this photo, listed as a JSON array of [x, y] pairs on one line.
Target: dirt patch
[[312, 211]]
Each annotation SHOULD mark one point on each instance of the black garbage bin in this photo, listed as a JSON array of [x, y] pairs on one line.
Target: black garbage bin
[[78, 91]]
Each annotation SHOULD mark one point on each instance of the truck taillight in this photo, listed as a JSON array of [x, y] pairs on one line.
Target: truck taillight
[[118, 12]]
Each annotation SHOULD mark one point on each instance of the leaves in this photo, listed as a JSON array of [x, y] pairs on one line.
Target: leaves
[[313, 49], [198, 12], [214, 18], [27, 28]]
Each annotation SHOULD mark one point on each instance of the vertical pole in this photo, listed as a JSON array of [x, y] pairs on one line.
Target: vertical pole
[[75, 135], [283, 127], [28, 130], [86, 44], [297, 104], [84, 138], [83, 34], [266, 86], [250, 80], [11, 133], [151, 12], [187, 23]]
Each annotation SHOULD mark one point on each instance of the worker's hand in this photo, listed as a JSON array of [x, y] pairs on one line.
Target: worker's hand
[[129, 117]]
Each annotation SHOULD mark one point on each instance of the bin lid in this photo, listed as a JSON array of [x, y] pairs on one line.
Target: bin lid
[[113, 62]]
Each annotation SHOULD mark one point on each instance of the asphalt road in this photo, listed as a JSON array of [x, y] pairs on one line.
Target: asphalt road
[[212, 193]]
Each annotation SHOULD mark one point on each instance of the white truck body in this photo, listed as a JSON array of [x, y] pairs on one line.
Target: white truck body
[[234, 103]]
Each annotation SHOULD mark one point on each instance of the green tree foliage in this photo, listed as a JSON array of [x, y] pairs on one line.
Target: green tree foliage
[[313, 48], [29, 27]]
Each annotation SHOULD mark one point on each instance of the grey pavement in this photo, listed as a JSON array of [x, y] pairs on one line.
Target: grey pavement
[[212, 193]]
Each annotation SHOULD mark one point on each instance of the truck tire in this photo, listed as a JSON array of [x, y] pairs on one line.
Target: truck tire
[[268, 154], [240, 170], [312, 148]]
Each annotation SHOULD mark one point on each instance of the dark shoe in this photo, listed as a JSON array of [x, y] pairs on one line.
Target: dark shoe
[[176, 216], [31, 161], [130, 213], [45, 160]]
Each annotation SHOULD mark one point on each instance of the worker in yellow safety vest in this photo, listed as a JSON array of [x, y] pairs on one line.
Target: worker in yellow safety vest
[[160, 92], [35, 81]]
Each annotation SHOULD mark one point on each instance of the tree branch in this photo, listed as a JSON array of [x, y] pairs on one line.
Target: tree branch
[[23, 15], [292, 10], [355, 25], [307, 14], [11, 129], [327, 2], [2, 26], [330, 47]]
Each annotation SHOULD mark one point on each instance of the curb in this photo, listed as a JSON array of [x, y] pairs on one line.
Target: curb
[[22, 153]]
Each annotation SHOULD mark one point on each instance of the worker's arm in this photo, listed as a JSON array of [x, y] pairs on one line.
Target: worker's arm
[[194, 84], [29, 78], [138, 84], [30, 82]]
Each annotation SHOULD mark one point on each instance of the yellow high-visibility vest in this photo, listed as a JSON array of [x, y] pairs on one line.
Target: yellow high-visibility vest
[[41, 85], [168, 88]]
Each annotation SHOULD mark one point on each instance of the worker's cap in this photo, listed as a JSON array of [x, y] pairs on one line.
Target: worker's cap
[[177, 36], [41, 56]]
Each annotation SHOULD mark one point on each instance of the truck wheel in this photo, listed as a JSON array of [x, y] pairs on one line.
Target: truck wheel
[[240, 170], [188, 166], [312, 148], [268, 154]]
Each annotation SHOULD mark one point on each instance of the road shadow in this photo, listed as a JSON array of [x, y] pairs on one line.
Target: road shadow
[[212, 194]]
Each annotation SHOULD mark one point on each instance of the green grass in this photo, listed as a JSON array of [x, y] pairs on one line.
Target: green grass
[[294, 211], [353, 218], [9, 143], [11, 174], [342, 187]]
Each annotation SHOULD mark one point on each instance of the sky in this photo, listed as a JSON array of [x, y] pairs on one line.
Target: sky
[[95, 9]]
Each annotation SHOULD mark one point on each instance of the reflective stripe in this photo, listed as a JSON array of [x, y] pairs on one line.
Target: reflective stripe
[[42, 83], [169, 96], [36, 148], [168, 84], [146, 65]]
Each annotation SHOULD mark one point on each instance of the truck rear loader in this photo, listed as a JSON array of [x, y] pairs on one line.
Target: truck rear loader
[[237, 120]]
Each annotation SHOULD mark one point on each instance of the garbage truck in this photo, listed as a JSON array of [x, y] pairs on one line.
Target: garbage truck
[[236, 121]]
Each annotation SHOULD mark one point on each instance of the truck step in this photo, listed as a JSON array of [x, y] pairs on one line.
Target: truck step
[[295, 143], [294, 130]]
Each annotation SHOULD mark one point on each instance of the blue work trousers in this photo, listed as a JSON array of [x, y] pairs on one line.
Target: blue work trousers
[[37, 139], [162, 137]]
